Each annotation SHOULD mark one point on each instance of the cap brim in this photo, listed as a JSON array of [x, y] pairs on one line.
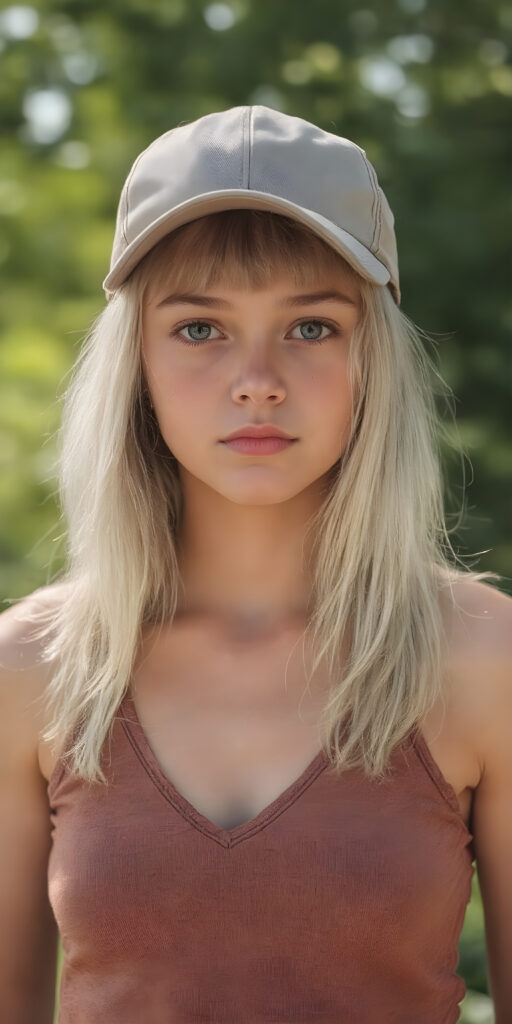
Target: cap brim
[[356, 254]]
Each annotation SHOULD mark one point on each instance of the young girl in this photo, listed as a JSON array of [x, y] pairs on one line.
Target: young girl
[[255, 736]]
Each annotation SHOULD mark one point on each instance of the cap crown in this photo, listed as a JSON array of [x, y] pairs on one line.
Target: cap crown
[[257, 150]]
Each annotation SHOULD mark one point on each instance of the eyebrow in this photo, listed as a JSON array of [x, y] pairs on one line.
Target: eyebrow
[[292, 300]]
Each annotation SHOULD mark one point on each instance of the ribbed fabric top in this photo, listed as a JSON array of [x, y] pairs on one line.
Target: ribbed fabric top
[[342, 902]]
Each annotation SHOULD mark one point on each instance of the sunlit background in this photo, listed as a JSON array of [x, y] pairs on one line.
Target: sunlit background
[[424, 87]]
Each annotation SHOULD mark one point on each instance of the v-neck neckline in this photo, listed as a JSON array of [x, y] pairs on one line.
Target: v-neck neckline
[[224, 837]]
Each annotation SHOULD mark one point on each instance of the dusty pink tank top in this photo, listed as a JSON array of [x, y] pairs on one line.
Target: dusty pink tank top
[[341, 902]]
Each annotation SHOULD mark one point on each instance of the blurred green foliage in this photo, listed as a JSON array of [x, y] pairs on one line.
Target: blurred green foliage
[[424, 86]]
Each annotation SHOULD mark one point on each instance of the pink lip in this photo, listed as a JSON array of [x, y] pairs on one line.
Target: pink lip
[[258, 430], [259, 445]]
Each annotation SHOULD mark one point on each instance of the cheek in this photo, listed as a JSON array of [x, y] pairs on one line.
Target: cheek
[[330, 393], [330, 404], [183, 404], [190, 404]]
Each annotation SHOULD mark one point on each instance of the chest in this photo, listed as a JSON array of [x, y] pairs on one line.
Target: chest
[[233, 726]]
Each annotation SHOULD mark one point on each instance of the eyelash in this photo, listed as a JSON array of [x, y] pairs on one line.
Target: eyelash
[[194, 343]]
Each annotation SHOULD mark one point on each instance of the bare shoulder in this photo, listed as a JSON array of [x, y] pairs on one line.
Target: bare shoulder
[[483, 638], [476, 601], [480, 624], [20, 646], [23, 674], [28, 938], [480, 654]]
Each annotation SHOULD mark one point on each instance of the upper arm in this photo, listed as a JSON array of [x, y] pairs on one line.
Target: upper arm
[[28, 937], [492, 807]]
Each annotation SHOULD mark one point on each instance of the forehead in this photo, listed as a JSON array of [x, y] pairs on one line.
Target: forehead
[[242, 250], [229, 298], [334, 285]]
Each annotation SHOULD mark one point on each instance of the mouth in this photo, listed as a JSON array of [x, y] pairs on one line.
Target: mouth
[[259, 431], [268, 445]]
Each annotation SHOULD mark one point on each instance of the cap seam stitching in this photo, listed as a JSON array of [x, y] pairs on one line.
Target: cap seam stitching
[[375, 204], [245, 155], [128, 183], [250, 145], [378, 235], [130, 176]]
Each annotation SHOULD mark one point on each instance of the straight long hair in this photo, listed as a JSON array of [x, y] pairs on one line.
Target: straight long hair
[[384, 567]]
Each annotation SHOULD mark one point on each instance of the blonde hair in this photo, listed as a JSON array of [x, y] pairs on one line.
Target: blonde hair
[[382, 557]]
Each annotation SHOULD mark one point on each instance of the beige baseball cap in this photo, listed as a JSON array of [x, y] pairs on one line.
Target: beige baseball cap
[[254, 157]]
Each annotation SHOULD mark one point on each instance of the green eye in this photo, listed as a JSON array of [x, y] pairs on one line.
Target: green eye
[[201, 327], [311, 331]]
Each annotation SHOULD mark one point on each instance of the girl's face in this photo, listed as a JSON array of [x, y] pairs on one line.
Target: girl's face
[[218, 361]]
